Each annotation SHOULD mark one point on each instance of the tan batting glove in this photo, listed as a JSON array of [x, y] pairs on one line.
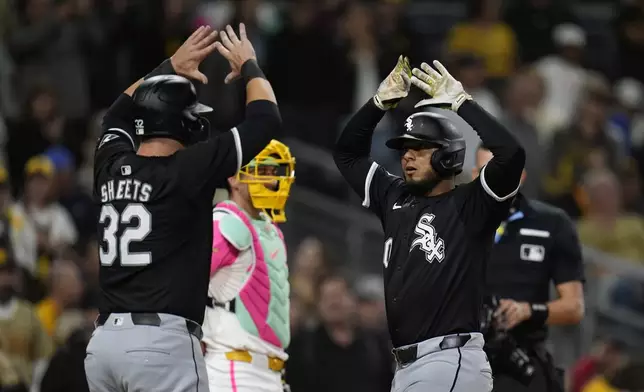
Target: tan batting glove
[[395, 87], [443, 89]]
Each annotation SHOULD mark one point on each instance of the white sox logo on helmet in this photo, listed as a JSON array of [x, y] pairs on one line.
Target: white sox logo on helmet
[[408, 124]]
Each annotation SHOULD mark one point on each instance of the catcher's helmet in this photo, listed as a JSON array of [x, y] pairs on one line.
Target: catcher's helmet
[[432, 130], [167, 106]]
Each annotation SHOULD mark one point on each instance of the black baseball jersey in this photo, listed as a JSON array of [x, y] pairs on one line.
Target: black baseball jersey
[[537, 245], [155, 224], [436, 247]]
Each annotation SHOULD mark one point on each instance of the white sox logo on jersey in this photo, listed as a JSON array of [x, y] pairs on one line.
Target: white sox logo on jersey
[[428, 241]]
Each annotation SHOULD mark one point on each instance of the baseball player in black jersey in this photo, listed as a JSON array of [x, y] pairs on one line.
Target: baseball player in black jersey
[[437, 235], [155, 173]]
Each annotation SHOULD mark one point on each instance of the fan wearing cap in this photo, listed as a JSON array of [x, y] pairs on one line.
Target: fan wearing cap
[[55, 230], [246, 326], [437, 235]]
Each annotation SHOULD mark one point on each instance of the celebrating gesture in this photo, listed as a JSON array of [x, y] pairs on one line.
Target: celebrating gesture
[[236, 50], [441, 86], [195, 49], [395, 87]]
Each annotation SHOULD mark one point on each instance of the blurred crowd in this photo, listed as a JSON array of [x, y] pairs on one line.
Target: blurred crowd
[[570, 90]]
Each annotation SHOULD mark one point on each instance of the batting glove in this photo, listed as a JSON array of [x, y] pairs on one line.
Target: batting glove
[[395, 87], [443, 89]]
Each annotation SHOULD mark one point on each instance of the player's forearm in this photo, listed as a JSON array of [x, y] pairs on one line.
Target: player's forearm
[[165, 68], [565, 311], [503, 172], [262, 124], [355, 140], [257, 87]]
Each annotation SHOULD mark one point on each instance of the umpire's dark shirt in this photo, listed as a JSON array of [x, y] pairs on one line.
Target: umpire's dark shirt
[[436, 247], [535, 245], [155, 224]]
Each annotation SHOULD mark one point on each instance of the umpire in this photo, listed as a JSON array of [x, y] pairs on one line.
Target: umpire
[[155, 221], [536, 244], [437, 236]]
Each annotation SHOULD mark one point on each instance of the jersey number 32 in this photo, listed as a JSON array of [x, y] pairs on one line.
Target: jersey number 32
[[114, 245]]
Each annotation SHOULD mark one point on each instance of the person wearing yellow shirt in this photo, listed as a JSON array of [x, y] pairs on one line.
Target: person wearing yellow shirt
[[605, 226], [598, 384], [66, 290], [486, 36]]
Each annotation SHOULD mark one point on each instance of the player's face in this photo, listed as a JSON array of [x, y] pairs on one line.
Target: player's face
[[416, 164]]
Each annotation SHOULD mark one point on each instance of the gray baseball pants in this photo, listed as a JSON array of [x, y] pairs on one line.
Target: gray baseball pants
[[125, 357], [461, 369]]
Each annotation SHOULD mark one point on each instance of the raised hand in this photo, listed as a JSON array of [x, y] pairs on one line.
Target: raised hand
[[236, 50], [195, 49], [440, 85], [395, 87]]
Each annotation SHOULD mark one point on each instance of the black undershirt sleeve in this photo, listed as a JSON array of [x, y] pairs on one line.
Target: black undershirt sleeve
[[351, 155]]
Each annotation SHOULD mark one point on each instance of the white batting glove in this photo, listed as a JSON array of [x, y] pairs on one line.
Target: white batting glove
[[443, 89], [395, 87]]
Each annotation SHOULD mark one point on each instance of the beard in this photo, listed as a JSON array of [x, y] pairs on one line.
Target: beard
[[421, 187]]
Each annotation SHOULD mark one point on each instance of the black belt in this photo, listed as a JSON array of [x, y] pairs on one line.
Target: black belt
[[154, 320], [406, 355], [229, 306]]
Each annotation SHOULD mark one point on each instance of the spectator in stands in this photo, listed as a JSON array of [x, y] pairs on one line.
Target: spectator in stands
[[631, 180], [486, 35], [18, 230], [46, 46], [606, 227], [308, 267], [587, 144], [69, 361], [54, 226], [41, 126], [78, 204], [304, 36], [65, 293], [533, 22], [604, 358], [469, 69], [522, 101], [9, 378], [27, 345], [297, 315], [371, 303], [395, 32], [337, 356], [628, 117], [630, 39], [564, 76]]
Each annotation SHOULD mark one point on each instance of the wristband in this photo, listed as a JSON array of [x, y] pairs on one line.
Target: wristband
[[250, 70], [165, 68], [539, 313]]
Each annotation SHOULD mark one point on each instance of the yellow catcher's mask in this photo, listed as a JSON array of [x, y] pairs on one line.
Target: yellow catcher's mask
[[269, 177]]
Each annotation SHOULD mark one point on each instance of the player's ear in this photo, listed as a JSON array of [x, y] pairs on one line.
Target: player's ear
[[523, 176], [232, 182]]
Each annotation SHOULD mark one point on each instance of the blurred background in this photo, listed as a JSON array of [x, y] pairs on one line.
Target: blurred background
[[566, 77]]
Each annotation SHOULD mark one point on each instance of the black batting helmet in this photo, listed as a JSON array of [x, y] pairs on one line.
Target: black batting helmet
[[432, 130], [167, 106]]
